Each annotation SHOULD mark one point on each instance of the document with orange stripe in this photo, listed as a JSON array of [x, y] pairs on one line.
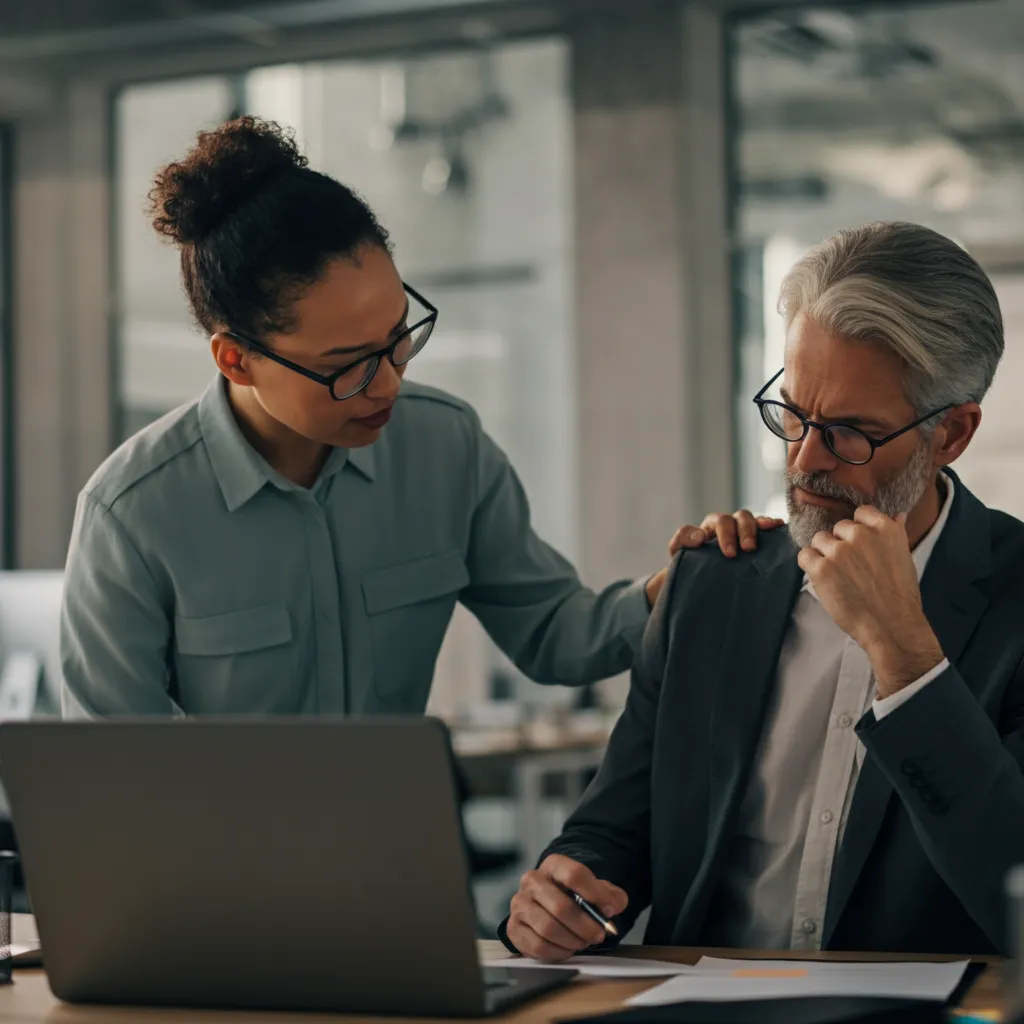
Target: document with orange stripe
[[721, 980]]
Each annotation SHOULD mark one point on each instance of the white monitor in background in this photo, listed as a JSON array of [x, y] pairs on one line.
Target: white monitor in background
[[19, 685], [30, 629], [30, 671]]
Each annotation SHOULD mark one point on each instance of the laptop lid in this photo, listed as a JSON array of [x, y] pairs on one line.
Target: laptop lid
[[277, 864]]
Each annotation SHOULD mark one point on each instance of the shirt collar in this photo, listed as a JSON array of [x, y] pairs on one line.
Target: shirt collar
[[926, 545], [240, 470]]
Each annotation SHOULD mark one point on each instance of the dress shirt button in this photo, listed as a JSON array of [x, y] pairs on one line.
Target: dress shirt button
[[809, 926], [845, 721], [825, 817]]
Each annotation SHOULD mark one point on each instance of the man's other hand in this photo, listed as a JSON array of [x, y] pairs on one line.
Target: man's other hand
[[545, 923]]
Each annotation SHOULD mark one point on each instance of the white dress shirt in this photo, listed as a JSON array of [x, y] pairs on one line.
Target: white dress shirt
[[775, 882]]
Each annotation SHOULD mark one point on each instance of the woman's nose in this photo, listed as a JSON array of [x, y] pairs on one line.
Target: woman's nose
[[386, 381]]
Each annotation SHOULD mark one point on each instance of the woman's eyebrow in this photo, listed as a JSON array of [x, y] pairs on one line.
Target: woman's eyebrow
[[353, 349]]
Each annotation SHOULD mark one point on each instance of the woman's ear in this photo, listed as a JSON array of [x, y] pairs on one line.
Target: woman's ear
[[231, 358], [955, 432]]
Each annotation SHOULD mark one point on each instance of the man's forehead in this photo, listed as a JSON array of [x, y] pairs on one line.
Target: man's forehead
[[823, 368]]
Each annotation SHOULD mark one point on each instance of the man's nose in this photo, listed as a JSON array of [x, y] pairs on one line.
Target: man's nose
[[812, 454]]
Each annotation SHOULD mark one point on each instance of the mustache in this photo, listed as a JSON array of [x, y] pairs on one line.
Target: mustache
[[824, 486]]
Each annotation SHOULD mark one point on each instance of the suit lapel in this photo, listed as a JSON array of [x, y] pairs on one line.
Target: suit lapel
[[759, 616], [953, 606]]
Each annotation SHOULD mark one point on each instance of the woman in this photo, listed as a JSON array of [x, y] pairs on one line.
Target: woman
[[295, 540]]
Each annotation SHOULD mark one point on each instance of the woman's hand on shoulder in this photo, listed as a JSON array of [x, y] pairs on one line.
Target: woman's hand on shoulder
[[732, 532]]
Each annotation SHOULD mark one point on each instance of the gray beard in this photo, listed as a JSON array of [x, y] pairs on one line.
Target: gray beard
[[900, 493]]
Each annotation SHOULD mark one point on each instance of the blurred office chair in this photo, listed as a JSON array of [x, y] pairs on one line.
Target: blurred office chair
[[30, 669], [482, 860]]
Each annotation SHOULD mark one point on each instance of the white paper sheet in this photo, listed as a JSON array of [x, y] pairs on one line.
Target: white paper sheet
[[718, 980], [601, 966]]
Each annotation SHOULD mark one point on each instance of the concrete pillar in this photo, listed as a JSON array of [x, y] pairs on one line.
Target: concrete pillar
[[654, 332], [61, 342], [6, 362]]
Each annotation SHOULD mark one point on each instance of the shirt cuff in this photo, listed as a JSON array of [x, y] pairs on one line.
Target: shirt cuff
[[887, 705]]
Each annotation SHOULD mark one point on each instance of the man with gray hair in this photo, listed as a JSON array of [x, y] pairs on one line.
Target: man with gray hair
[[823, 741]]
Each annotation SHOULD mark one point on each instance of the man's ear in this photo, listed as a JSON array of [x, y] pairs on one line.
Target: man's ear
[[955, 432], [232, 359]]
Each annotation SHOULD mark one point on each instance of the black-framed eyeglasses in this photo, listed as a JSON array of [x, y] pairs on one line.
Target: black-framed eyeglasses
[[844, 441], [355, 376]]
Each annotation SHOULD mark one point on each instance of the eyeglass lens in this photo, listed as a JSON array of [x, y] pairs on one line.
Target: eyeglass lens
[[354, 380], [847, 442]]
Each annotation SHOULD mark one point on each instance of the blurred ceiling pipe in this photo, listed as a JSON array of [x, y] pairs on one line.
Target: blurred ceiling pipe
[[258, 24]]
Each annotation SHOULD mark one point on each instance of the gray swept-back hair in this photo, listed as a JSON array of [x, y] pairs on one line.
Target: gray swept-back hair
[[914, 290]]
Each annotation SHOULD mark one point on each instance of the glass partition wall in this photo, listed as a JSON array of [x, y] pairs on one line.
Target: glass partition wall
[[6, 362], [847, 115], [466, 159]]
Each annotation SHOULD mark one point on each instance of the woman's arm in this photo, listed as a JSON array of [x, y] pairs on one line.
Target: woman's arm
[[114, 629], [530, 599]]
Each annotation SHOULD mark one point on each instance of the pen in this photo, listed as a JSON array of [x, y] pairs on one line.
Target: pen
[[589, 908]]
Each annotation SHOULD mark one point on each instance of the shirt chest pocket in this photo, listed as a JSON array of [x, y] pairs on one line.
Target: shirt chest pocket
[[409, 606], [236, 661]]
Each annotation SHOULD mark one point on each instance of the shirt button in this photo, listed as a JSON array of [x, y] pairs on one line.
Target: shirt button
[[845, 721], [825, 817], [809, 926]]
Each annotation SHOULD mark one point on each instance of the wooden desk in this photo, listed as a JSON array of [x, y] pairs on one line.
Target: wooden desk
[[29, 1000]]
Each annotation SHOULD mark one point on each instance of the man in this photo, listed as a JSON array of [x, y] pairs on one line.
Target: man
[[823, 741]]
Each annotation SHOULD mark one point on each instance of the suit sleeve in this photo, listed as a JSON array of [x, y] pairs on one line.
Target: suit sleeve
[[530, 599], [959, 776], [610, 832]]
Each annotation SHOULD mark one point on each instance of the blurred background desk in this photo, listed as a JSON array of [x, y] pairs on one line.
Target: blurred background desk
[[564, 754], [520, 781]]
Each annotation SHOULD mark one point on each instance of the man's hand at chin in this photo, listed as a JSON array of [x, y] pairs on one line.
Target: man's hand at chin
[[864, 575]]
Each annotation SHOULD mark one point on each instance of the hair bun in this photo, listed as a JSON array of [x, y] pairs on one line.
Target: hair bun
[[225, 166]]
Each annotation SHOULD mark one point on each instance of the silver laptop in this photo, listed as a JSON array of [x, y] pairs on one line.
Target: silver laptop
[[277, 864]]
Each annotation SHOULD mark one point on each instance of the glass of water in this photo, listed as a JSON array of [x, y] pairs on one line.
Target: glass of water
[[1015, 967], [7, 862]]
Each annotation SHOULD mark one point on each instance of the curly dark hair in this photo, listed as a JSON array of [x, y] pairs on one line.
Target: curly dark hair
[[255, 225]]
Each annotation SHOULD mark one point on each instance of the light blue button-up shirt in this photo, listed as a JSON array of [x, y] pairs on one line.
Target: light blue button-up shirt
[[200, 581]]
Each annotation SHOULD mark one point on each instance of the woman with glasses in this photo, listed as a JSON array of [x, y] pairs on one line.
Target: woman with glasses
[[297, 538]]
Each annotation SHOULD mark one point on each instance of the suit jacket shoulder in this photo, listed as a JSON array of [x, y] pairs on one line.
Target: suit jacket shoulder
[[703, 574]]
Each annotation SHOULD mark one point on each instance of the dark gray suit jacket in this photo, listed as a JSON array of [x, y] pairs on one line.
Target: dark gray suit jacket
[[937, 816]]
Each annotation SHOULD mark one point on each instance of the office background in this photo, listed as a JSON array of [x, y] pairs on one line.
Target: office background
[[600, 195]]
